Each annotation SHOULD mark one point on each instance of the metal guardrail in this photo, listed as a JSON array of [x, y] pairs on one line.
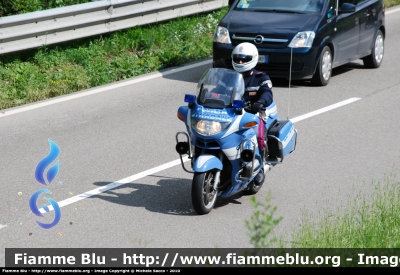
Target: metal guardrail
[[35, 29]]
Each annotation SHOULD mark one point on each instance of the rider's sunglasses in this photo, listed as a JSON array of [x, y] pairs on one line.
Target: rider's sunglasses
[[241, 57]]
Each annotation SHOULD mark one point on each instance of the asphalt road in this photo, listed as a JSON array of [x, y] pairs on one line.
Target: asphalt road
[[120, 184]]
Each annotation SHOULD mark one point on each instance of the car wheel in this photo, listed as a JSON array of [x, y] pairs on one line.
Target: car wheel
[[324, 68], [374, 60]]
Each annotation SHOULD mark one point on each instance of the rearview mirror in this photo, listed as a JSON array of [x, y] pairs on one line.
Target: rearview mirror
[[347, 8]]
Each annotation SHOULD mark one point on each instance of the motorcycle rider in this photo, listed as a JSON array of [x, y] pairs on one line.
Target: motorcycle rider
[[258, 91]]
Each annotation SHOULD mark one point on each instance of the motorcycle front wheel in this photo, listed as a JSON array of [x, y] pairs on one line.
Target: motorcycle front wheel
[[204, 196]]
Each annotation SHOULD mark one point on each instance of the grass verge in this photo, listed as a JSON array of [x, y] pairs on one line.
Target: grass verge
[[50, 71], [368, 221]]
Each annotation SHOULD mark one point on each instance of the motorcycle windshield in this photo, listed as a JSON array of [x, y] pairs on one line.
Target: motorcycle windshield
[[219, 87]]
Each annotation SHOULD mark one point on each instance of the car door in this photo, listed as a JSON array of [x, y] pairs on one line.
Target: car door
[[348, 33], [367, 11]]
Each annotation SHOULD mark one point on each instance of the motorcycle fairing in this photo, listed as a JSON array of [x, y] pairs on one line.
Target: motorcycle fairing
[[220, 115], [199, 112], [231, 148], [240, 121]]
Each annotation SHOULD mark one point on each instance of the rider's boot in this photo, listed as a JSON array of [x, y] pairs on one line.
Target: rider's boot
[[266, 158]]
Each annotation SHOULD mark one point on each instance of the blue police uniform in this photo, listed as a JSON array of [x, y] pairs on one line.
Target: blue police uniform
[[258, 89]]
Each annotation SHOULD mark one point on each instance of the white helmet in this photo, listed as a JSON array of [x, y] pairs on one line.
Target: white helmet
[[247, 53]]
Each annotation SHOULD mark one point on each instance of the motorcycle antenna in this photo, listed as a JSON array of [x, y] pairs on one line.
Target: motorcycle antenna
[[290, 79]]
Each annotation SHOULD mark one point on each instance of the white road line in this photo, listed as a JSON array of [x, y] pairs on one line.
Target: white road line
[[177, 162], [325, 109], [3, 225], [116, 184], [392, 11], [100, 89]]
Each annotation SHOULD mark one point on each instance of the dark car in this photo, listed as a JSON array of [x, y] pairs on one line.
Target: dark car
[[303, 39]]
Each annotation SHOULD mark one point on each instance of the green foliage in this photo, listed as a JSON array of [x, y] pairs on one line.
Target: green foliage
[[369, 221], [14, 7], [262, 222], [391, 3]]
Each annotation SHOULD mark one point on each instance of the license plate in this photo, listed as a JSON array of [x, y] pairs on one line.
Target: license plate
[[263, 59]]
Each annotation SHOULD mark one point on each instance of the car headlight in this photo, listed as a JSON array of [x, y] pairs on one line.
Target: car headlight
[[221, 35], [302, 40], [209, 127]]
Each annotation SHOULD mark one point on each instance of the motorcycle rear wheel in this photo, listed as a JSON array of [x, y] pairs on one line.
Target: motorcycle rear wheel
[[204, 196]]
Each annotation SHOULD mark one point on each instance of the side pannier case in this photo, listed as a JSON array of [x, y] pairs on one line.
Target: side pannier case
[[282, 138]]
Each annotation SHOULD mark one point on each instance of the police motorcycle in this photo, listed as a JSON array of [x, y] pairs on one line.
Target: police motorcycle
[[221, 139]]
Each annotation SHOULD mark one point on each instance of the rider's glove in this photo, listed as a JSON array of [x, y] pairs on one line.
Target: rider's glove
[[257, 106]]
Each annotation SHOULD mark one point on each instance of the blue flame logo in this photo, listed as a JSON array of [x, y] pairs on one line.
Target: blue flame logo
[[39, 176], [35, 210], [42, 165]]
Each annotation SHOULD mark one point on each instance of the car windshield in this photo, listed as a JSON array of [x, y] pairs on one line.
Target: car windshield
[[218, 87], [287, 6]]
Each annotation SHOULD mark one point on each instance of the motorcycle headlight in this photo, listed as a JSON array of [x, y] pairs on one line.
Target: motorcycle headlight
[[221, 35], [208, 127], [302, 40]]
